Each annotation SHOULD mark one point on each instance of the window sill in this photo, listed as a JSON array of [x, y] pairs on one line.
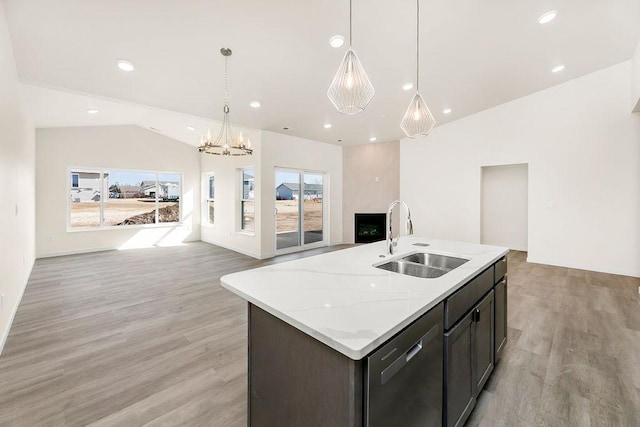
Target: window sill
[[124, 227], [246, 233]]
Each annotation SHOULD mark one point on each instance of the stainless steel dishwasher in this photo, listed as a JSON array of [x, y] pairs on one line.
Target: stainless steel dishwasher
[[403, 379]]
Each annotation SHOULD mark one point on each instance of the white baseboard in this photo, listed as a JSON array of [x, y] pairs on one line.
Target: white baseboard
[[599, 269], [74, 252], [92, 250], [5, 334], [231, 248]]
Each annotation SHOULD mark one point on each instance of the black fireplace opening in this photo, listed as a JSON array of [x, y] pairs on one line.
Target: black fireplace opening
[[369, 227]]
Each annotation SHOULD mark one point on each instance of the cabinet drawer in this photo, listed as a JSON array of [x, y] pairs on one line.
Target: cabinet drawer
[[466, 297], [500, 269]]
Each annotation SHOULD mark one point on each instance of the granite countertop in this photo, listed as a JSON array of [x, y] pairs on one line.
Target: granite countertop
[[342, 300]]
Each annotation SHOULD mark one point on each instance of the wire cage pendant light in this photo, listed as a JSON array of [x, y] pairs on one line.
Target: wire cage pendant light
[[225, 144], [418, 120], [351, 90]]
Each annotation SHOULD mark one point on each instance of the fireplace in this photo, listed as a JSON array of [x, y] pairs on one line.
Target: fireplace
[[369, 227]]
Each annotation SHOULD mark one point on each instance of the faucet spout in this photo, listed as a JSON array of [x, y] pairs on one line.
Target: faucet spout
[[391, 243]]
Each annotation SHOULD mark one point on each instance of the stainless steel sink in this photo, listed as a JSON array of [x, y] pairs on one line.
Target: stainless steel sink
[[440, 262], [425, 265]]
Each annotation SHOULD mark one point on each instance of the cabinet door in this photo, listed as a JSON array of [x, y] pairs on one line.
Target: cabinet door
[[459, 383], [482, 334], [501, 317]]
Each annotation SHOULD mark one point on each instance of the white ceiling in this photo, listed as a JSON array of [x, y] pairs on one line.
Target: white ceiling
[[475, 55]]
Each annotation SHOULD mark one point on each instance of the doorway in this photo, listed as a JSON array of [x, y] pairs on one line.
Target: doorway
[[504, 206], [300, 213]]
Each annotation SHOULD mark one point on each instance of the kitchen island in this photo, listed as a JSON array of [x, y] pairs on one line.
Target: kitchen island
[[315, 323]]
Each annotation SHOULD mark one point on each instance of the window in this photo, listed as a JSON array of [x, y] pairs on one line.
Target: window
[[210, 198], [85, 199], [130, 198], [247, 201]]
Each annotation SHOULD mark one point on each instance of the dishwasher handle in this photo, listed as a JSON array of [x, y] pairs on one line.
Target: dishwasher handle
[[404, 358], [414, 350]]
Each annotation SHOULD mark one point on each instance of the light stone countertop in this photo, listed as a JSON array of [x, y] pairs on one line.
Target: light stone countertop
[[340, 299]]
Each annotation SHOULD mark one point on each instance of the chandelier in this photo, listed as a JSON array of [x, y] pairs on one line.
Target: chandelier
[[418, 120], [225, 144]]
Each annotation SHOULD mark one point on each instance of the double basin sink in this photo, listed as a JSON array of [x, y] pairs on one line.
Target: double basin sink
[[424, 265]]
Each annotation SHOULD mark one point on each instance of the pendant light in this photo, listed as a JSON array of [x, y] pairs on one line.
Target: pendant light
[[351, 91], [225, 144], [418, 120]]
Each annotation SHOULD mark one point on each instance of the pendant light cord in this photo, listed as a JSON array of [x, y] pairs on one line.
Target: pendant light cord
[[418, 46], [226, 80], [350, 21]]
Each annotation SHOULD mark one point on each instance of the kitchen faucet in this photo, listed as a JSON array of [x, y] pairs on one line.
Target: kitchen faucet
[[408, 226]]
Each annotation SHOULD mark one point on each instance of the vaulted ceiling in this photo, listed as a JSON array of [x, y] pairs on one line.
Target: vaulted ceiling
[[474, 55]]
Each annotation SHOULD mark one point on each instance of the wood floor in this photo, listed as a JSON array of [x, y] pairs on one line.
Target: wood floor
[[148, 337]]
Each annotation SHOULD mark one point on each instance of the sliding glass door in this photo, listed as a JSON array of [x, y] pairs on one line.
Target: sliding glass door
[[300, 211]]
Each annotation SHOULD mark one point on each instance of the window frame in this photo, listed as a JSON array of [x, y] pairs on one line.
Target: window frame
[[104, 191], [209, 179], [244, 200]]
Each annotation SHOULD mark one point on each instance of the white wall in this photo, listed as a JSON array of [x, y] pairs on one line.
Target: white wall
[[226, 230], [271, 150], [17, 175], [504, 206], [583, 149], [285, 151], [112, 147], [371, 181], [635, 80]]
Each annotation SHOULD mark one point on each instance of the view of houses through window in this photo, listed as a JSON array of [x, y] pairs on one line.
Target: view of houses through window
[[247, 203], [130, 198], [210, 198]]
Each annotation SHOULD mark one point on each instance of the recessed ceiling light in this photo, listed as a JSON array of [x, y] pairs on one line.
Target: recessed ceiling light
[[339, 140], [125, 65], [547, 17], [93, 111], [191, 128], [336, 41], [255, 104], [327, 125], [286, 128], [446, 110], [407, 86], [372, 139], [557, 68]]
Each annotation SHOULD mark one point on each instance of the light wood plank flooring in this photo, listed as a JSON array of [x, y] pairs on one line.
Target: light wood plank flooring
[[148, 337]]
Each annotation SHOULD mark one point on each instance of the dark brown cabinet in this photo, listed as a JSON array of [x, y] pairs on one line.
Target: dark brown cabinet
[[468, 359], [500, 280], [475, 333], [435, 368], [483, 328], [458, 390]]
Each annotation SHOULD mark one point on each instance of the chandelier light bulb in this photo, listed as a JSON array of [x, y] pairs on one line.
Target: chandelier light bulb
[[417, 114], [349, 81]]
